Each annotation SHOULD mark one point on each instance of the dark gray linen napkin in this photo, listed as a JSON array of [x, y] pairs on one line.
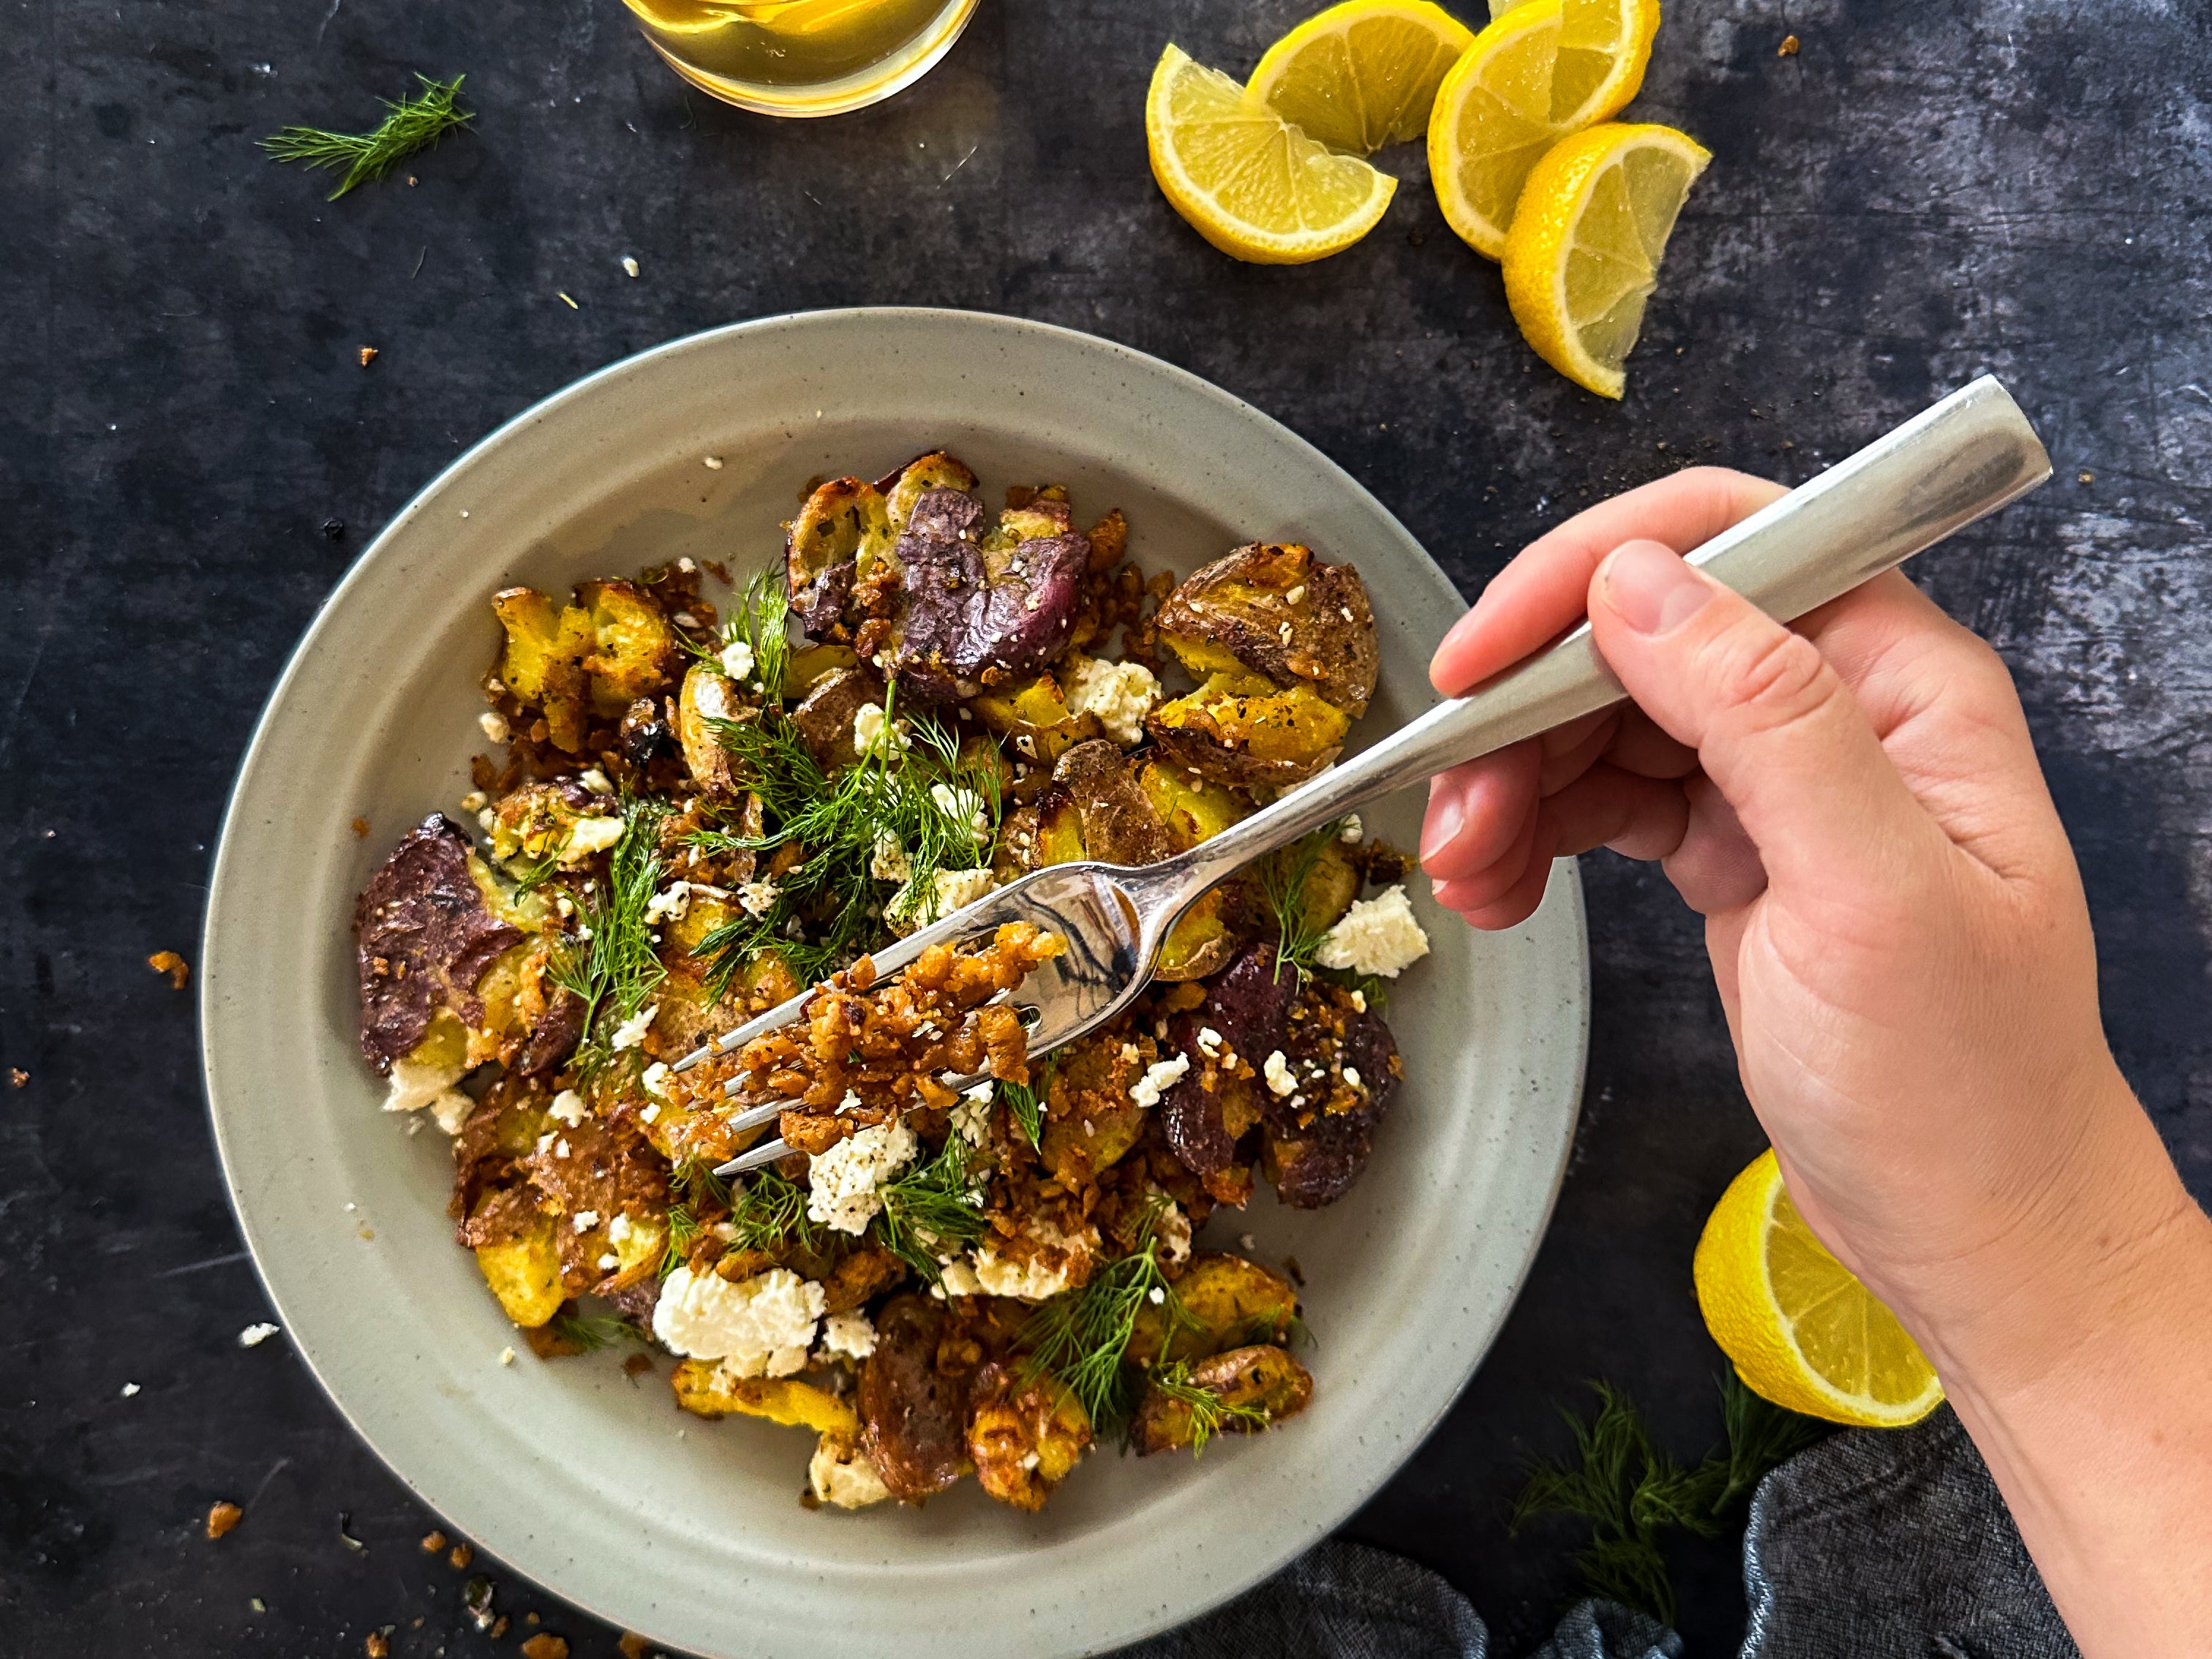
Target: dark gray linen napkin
[[1869, 1545]]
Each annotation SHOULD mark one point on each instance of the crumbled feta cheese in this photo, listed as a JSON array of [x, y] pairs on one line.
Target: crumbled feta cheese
[[494, 728], [254, 1336], [1376, 936], [1171, 1228], [844, 1180], [585, 1220], [1033, 1280], [1277, 1070], [561, 1149], [567, 1107], [669, 903], [758, 898], [713, 463], [1156, 1296], [684, 619], [891, 862], [1209, 1043], [507, 1356], [1247, 1241], [950, 891], [840, 1474], [608, 1262], [1284, 633], [130, 1389], [1359, 1001], [1295, 594], [651, 1113], [737, 659], [851, 1101], [1119, 694], [848, 1333], [544, 1144], [474, 801], [1353, 831], [1159, 1077], [871, 728], [683, 564], [1351, 1075], [590, 836], [631, 1031], [417, 1083], [621, 1230], [595, 780], [971, 1114], [485, 819], [758, 1327], [957, 1279], [655, 1078], [964, 807]]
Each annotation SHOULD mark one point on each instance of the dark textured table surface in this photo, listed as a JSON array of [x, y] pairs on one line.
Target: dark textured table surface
[[1924, 191]]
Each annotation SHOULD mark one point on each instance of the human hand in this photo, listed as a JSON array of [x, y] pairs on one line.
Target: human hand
[[1902, 946]]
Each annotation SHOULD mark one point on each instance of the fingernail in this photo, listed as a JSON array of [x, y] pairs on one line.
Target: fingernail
[[1651, 589], [1442, 825]]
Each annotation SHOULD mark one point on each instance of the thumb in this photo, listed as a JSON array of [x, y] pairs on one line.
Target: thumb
[[1775, 727]]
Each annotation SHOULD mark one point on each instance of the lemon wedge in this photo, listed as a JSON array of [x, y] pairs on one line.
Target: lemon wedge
[[1248, 180], [1800, 1330], [1543, 69], [1583, 254], [1362, 75]]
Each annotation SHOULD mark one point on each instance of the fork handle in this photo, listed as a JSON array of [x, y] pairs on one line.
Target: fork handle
[[1956, 462]]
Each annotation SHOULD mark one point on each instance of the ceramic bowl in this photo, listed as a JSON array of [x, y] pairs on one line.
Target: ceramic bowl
[[597, 1487]]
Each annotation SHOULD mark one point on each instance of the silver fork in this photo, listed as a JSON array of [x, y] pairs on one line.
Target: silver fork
[[1965, 458]]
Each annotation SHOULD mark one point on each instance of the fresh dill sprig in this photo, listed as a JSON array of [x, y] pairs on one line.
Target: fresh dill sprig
[[616, 968], [771, 1213], [762, 621], [941, 807], [932, 1209], [1209, 1413], [682, 1233], [695, 1179], [1283, 883], [587, 1332], [1081, 1337], [413, 124], [1632, 1492], [1026, 1103]]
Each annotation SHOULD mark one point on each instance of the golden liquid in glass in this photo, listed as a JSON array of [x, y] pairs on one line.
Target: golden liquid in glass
[[801, 57]]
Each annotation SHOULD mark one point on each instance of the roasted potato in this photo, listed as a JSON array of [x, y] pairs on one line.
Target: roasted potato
[[1091, 1124], [1277, 611], [1261, 1379], [1318, 1138], [427, 939], [903, 489], [1035, 715], [1210, 1107], [810, 663], [705, 1390], [843, 529], [1233, 1302], [1121, 825], [634, 650], [840, 1474], [525, 1274], [543, 663], [1191, 809], [825, 718], [914, 1416], [1239, 728], [979, 608], [1025, 1434], [709, 695]]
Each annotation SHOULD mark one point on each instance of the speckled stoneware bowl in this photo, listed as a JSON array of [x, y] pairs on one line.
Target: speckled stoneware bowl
[[598, 1488]]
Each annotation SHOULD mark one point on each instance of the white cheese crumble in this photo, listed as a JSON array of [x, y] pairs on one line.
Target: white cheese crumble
[[738, 660], [494, 728], [631, 1031], [758, 898], [758, 1327], [950, 891], [474, 801], [848, 1333], [1171, 1228], [845, 1179], [595, 780], [964, 807], [621, 1230], [254, 1336], [891, 862], [417, 1083], [1353, 831], [590, 836], [1119, 694], [840, 1474], [669, 903], [1359, 1001], [129, 1389], [507, 1356], [971, 1113], [1278, 1073], [955, 1278], [870, 728], [655, 1078], [1376, 936], [1295, 594], [1209, 1043], [585, 1220], [608, 1263], [567, 1107], [1159, 1077], [1351, 1075], [1027, 1281]]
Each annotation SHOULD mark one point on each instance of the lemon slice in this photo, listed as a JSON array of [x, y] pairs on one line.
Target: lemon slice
[[1583, 253], [1543, 69], [1248, 181], [1801, 1331], [1362, 75]]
